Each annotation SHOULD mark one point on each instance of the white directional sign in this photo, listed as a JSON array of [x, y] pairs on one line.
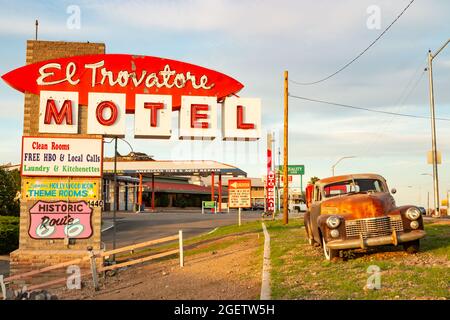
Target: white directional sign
[[239, 193]]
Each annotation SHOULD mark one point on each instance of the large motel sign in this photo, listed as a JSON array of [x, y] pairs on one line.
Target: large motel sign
[[75, 94]]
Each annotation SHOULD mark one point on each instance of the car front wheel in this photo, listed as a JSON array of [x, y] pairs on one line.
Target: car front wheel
[[412, 246], [329, 253]]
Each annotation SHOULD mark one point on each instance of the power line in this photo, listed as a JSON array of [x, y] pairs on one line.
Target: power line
[[359, 55], [365, 109]]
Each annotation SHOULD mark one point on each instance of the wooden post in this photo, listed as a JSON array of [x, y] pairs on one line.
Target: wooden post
[[93, 269], [153, 192], [212, 190], [220, 192], [2, 287], [285, 152], [239, 216], [180, 240]]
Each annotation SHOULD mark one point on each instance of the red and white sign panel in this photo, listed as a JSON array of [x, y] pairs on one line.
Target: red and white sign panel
[[282, 178], [270, 191], [60, 219], [111, 85], [67, 157], [241, 119], [122, 73], [239, 193]]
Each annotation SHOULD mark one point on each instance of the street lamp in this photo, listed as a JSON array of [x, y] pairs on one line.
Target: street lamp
[[116, 190], [431, 56], [339, 160]]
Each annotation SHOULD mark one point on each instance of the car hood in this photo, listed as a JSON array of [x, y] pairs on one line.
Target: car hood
[[359, 205]]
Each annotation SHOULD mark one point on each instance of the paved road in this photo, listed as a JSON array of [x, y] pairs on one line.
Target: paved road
[[138, 227]]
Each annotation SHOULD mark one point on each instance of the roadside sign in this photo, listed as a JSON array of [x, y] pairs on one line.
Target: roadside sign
[[294, 169], [209, 204], [59, 188], [239, 193], [289, 178], [430, 157], [270, 191], [63, 157]]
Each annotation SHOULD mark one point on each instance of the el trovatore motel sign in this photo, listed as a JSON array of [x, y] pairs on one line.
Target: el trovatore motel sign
[[111, 85]]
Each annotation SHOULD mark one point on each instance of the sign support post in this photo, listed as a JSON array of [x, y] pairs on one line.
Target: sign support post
[[239, 214], [239, 195], [116, 198], [285, 151]]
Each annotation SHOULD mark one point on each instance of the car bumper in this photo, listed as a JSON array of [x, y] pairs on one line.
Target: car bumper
[[395, 238]]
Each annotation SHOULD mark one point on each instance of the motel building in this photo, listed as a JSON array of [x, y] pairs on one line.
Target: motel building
[[144, 183]]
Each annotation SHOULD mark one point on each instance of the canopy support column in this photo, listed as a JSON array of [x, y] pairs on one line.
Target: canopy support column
[[153, 192], [140, 192], [220, 192], [212, 190]]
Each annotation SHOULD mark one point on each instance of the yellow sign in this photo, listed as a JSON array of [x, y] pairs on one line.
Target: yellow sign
[[59, 189]]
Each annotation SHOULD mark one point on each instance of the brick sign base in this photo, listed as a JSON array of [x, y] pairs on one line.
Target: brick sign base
[[38, 253]]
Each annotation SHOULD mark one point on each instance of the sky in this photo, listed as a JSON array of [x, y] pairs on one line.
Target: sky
[[255, 42]]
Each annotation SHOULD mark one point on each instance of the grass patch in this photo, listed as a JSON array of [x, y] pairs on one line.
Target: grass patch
[[299, 271]]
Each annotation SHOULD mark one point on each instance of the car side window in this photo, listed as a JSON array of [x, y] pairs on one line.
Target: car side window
[[317, 195]]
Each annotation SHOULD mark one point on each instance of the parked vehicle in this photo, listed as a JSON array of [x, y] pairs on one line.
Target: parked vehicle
[[298, 206], [358, 211], [423, 211]]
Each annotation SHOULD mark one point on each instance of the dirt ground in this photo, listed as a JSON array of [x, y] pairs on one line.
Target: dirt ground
[[231, 269]]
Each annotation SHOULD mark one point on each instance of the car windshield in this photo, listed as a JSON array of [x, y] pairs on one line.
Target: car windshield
[[353, 186]]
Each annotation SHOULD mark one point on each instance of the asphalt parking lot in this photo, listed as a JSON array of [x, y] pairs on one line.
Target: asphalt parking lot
[[138, 227]]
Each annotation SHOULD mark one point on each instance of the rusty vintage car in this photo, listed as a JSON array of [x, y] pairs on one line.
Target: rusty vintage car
[[358, 211]]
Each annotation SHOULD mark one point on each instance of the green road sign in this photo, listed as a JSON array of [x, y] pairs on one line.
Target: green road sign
[[294, 169], [209, 204]]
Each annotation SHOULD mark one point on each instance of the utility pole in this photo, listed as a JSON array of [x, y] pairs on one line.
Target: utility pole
[[433, 129], [37, 25], [285, 151]]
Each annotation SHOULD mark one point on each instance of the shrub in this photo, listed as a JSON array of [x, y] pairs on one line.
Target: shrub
[[9, 187], [9, 234]]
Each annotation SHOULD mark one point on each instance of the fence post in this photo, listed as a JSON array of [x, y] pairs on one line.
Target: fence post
[[3, 287], [93, 269], [180, 239]]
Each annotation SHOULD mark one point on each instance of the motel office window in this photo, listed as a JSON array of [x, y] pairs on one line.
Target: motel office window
[[105, 190]]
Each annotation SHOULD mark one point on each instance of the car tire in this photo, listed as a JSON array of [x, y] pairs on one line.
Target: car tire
[[412, 246], [327, 252]]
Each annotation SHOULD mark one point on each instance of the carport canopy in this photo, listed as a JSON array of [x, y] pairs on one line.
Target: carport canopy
[[152, 168], [172, 168]]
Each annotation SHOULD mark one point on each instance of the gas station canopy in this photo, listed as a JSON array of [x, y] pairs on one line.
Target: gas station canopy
[[172, 168]]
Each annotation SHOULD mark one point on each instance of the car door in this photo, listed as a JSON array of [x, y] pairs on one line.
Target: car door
[[315, 213]]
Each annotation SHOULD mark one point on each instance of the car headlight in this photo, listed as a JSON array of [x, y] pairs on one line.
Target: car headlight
[[335, 233], [413, 213], [333, 222], [414, 224]]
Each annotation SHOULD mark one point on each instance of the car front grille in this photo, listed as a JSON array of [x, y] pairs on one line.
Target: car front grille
[[373, 227]]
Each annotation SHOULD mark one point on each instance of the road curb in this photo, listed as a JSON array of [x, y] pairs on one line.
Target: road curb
[[265, 285]]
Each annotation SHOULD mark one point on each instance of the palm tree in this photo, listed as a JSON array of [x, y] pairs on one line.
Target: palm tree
[[313, 180]]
